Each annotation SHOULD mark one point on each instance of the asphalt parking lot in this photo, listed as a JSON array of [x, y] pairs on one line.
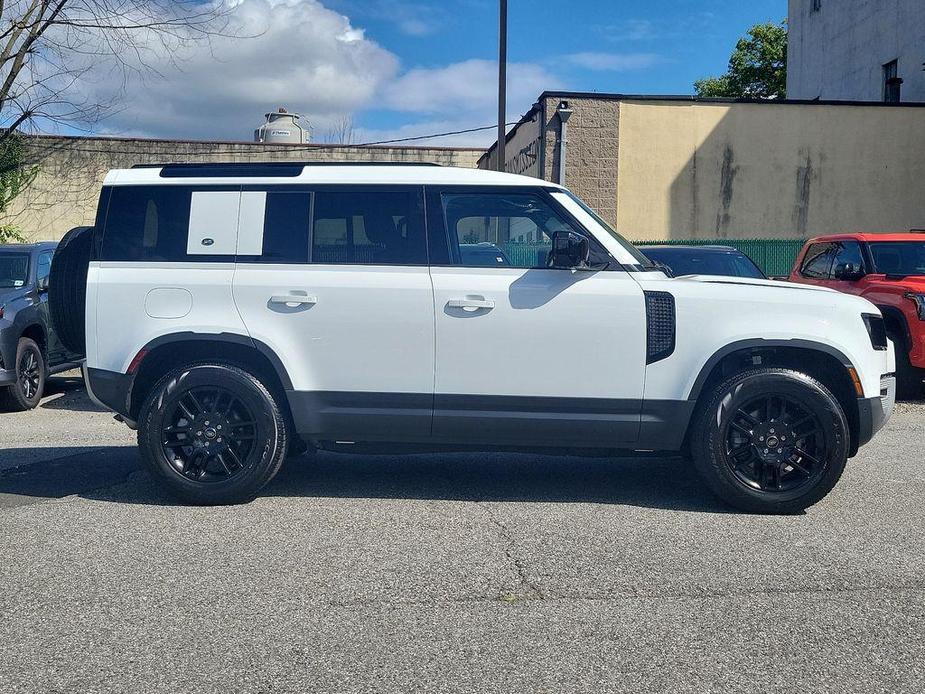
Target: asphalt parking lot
[[470, 573]]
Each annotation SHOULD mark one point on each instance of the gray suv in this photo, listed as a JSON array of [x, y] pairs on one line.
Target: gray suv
[[29, 348]]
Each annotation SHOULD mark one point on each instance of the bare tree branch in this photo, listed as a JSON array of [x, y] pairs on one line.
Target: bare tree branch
[[48, 47]]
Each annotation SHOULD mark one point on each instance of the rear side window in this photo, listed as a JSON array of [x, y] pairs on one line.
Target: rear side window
[[147, 223], [285, 229], [368, 227], [817, 264]]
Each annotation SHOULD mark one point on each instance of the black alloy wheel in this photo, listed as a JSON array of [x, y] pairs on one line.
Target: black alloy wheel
[[770, 440], [212, 434], [29, 373], [26, 392], [774, 443]]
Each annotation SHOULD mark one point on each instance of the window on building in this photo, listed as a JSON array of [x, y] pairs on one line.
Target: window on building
[[816, 6], [892, 82]]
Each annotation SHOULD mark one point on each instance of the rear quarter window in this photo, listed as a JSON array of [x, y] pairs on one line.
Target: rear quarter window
[[147, 223]]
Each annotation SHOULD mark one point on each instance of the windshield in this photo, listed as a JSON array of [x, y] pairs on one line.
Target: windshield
[[898, 257], [640, 258], [692, 261], [14, 269]]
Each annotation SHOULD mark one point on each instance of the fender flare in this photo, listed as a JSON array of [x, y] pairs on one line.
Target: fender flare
[[759, 343], [231, 338]]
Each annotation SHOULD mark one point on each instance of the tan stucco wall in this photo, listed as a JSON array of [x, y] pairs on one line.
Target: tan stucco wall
[[71, 170], [699, 170]]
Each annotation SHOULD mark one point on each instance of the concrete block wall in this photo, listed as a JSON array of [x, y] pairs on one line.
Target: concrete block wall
[[71, 170]]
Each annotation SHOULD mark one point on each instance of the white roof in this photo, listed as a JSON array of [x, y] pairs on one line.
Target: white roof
[[331, 173]]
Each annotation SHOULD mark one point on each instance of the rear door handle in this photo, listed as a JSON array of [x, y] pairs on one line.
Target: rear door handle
[[470, 304], [293, 300]]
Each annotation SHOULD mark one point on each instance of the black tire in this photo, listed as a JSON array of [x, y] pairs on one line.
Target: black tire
[[31, 374], [184, 439], [67, 288], [807, 428]]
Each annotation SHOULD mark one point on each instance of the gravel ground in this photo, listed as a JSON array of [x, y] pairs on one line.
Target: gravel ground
[[470, 573]]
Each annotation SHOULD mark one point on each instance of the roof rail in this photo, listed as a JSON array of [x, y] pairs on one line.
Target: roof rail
[[280, 169]]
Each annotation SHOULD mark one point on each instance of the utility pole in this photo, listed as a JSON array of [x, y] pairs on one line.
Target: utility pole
[[502, 84]]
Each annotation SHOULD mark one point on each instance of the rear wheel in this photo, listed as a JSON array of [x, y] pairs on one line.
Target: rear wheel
[[770, 441], [213, 434], [31, 374]]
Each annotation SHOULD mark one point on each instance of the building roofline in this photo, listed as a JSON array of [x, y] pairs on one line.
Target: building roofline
[[275, 146], [720, 100]]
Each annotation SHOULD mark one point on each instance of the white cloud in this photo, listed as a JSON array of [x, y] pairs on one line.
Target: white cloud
[[300, 55], [468, 87], [614, 62]]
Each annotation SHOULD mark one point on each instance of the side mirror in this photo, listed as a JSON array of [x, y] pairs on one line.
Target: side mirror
[[569, 250], [847, 272], [42, 284]]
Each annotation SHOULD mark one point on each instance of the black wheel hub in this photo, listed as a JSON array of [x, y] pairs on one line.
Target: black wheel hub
[[775, 444], [209, 435], [30, 374]]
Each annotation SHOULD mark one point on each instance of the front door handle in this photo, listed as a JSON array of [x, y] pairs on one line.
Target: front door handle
[[293, 300], [470, 304]]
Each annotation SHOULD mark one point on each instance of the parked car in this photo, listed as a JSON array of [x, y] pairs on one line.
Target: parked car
[[887, 269], [214, 329], [487, 254], [704, 260], [29, 347]]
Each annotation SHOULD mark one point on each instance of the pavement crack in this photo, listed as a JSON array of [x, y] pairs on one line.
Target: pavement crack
[[529, 590]]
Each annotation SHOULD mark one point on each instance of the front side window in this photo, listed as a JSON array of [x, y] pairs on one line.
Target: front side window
[[368, 227], [14, 270], [848, 252], [501, 229], [817, 264]]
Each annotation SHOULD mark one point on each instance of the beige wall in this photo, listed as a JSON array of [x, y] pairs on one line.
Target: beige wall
[[705, 170], [71, 170]]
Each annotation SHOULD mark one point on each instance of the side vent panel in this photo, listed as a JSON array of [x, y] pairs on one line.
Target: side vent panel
[[660, 326]]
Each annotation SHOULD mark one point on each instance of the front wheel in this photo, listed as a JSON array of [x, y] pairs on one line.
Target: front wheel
[[770, 441], [26, 392], [213, 434]]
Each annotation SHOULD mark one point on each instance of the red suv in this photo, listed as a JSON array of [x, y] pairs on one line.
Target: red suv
[[886, 269]]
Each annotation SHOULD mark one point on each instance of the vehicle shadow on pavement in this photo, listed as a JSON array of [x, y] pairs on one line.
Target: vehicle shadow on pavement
[[113, 474], [67, 393]]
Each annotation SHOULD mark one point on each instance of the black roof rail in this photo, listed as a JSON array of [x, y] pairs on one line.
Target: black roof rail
[[280, 169]]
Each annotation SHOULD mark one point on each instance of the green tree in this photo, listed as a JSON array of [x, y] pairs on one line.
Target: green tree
[[757, 67], [15, 175]]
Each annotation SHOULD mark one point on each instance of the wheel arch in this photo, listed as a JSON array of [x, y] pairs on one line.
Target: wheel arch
[[171, 351], [896, 319], [36, 331], [827, 364]]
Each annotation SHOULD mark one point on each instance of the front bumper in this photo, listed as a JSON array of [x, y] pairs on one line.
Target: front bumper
[[874, 413]]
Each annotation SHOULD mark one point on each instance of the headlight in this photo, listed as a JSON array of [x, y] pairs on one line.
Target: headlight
[[876, 329], [919, 300]]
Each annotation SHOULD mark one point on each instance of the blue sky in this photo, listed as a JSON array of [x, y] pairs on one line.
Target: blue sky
[[399, 68]]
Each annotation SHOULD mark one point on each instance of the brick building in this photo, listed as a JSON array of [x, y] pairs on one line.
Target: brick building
[[678, 167]]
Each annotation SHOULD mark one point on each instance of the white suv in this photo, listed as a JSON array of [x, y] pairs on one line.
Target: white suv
[[235, 313]]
